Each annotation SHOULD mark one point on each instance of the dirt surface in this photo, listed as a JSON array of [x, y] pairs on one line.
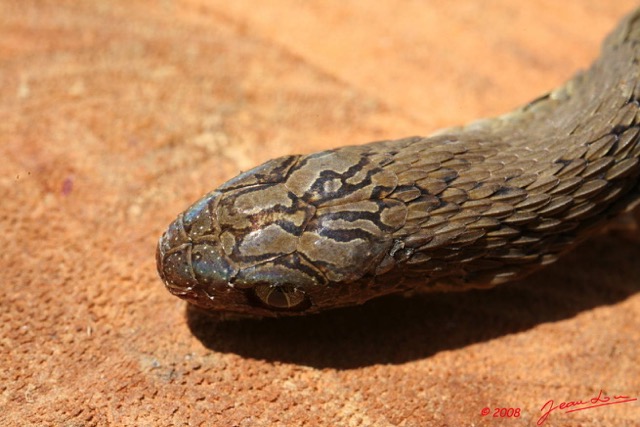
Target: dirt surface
[[115, 116]]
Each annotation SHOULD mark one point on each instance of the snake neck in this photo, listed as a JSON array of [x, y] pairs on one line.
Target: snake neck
[[493, 200]]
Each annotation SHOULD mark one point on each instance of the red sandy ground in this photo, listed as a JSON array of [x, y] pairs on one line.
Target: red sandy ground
[[114, 116]]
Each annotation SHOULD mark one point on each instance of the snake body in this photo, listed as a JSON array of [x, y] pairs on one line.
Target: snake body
[[468, 207]]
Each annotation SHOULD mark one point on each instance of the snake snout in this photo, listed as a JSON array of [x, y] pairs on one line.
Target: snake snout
[[173, 261]]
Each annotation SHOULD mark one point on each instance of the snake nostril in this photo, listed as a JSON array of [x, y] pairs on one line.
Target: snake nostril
[[175, 236]]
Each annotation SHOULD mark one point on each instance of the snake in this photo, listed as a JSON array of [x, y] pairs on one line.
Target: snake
[[467, 207]]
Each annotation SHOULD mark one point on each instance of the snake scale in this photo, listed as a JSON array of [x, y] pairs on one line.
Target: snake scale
[[468, 207]]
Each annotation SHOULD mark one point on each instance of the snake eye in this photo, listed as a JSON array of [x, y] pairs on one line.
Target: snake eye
[[280, 296]]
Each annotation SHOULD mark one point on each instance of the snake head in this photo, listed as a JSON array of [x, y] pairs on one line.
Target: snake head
[[294, 235]]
